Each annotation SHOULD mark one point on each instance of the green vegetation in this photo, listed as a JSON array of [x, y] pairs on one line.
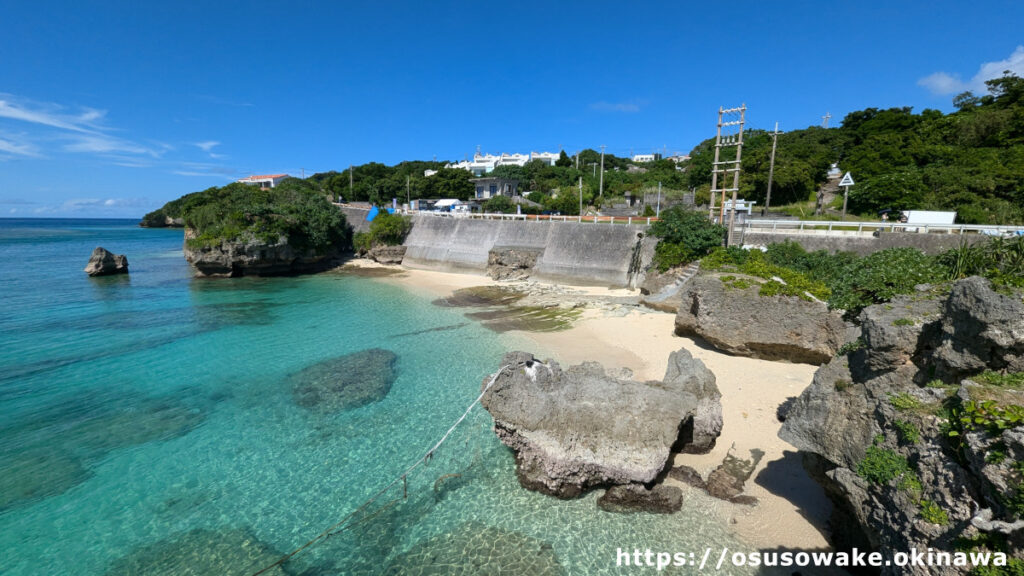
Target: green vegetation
[[989, 415], [686, 235], [849, 282], [295, 210], [499, 204], [385, 230], [1000, 379], [852, 346], [881, 465], [907, 432], [1001, 259], [903, 402], [971, 161], [841, 385], [931, 512]]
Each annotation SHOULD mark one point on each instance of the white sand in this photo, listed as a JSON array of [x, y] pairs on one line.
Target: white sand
[[792, 510]]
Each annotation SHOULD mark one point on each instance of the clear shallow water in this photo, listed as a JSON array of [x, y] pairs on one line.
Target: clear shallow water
[[149, 420]]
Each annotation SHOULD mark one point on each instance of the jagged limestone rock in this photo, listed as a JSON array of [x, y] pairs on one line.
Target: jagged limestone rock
[[104, 263]]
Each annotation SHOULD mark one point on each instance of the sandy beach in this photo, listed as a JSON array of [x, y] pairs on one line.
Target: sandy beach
[[792, 510]]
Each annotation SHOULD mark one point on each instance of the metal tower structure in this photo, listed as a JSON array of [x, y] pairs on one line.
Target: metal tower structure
[[729, 134]]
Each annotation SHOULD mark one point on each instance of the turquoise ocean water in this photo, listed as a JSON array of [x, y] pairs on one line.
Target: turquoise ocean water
[[148, 426]]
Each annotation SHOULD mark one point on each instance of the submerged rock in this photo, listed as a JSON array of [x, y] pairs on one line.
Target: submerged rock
[[579, 428], [200, 552], [475, 549], [740, 321], [40, 473], [345, 382], [105, 263], [636, 498]]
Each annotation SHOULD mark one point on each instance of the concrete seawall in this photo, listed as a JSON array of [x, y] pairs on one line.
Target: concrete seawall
[[569, 252], [356, 218]]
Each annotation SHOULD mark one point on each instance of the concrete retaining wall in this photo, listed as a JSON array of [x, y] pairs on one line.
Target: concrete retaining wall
[[928, 243], [592, 254], [356, 218]]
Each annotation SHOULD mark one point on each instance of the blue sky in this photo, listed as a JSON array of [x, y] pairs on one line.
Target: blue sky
[[109, 109]]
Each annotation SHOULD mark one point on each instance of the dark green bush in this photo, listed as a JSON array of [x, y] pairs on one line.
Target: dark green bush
[[686, 235], [389, 229], [881, 465]]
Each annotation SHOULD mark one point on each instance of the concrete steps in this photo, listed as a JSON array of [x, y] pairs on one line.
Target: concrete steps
[[673, 289]]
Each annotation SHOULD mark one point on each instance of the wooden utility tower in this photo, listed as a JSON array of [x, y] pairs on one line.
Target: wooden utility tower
[[732, 121]]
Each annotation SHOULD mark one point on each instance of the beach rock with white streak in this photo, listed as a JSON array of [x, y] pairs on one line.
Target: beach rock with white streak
[[104, 263], [738, 320], [579, 428]]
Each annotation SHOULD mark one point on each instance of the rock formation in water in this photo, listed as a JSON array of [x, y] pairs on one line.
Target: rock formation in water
[[104, 263], [345, 382], [918, 437], [253, 257], [579, 428], [740, 321], [627, 498]]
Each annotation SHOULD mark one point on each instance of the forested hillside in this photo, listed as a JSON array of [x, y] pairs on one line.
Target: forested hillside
[[971, 160]]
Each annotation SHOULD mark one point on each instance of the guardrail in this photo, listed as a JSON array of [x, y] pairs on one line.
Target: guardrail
[[832, 226], [638, 220]]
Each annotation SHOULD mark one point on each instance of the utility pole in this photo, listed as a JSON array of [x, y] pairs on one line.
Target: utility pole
[[303, 173], [580, 219], [657, 212], [408, 190], [728, 119], [600, 189], [825, 119], [771, 172], [577, 159], [351, 180]]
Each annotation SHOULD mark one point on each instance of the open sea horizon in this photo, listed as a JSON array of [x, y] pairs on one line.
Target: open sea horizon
[[156, 423]]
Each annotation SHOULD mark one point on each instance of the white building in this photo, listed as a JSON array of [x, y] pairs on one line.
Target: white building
[[679, 158], [485, 163], [429, 173], [644, 158], [264, 181]]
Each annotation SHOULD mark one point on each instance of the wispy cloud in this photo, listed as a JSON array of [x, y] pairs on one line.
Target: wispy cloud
[[944, 83], [18, 148], [207, 145], [82, 130], [628, 107]]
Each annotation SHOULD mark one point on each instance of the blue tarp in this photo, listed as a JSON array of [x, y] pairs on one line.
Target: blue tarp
[[373, 214]]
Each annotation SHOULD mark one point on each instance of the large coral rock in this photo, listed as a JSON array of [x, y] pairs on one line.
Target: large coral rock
[[252, 257], [637, 498], [878, 439], [742, 322], [578, 428], [387, 254], [104, 263]]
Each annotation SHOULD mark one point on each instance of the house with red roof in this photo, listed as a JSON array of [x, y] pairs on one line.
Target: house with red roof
[[265, 180]]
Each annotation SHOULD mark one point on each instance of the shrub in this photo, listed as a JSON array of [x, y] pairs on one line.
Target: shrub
[[499, 205], [389, 229], [931, 512], [881, 465], [686, 235], [907, 432], [1008, 380]]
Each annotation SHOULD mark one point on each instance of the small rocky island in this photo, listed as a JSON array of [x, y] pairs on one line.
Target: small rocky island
[[243, 230], [581, 428], [105, 263]]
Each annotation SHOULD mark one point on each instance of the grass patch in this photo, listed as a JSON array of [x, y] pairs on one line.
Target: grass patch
[[882, 465], [1009, 380], [931, 512], [903, 322], [904, 402], [907, 432]]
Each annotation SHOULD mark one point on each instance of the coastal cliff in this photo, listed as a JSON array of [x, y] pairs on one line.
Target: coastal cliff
[[917, 435]]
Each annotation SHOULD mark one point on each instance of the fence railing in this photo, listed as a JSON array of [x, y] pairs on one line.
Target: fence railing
[[638, 220], [832, 226]]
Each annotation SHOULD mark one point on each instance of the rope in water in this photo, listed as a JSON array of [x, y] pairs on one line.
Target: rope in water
[[344, 524]]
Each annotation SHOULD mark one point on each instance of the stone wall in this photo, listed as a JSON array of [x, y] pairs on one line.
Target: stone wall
[[569, 252], [356, 218]]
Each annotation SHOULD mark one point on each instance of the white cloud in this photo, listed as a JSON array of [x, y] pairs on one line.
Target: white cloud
[[207, 145], [18, 148], [103, 144], [628, 107], [51, 115], [945, 83]]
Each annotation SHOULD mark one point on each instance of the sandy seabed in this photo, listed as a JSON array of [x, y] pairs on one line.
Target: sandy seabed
[[792, 510]]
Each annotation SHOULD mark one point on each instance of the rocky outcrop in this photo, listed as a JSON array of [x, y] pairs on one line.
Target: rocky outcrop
[[910, 460], [726, 482], [579, 428], [387, 254], [252, 257], [511, 263], [161, 221], [104, 263], [736, 319], [345, 382], [637, 498]]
